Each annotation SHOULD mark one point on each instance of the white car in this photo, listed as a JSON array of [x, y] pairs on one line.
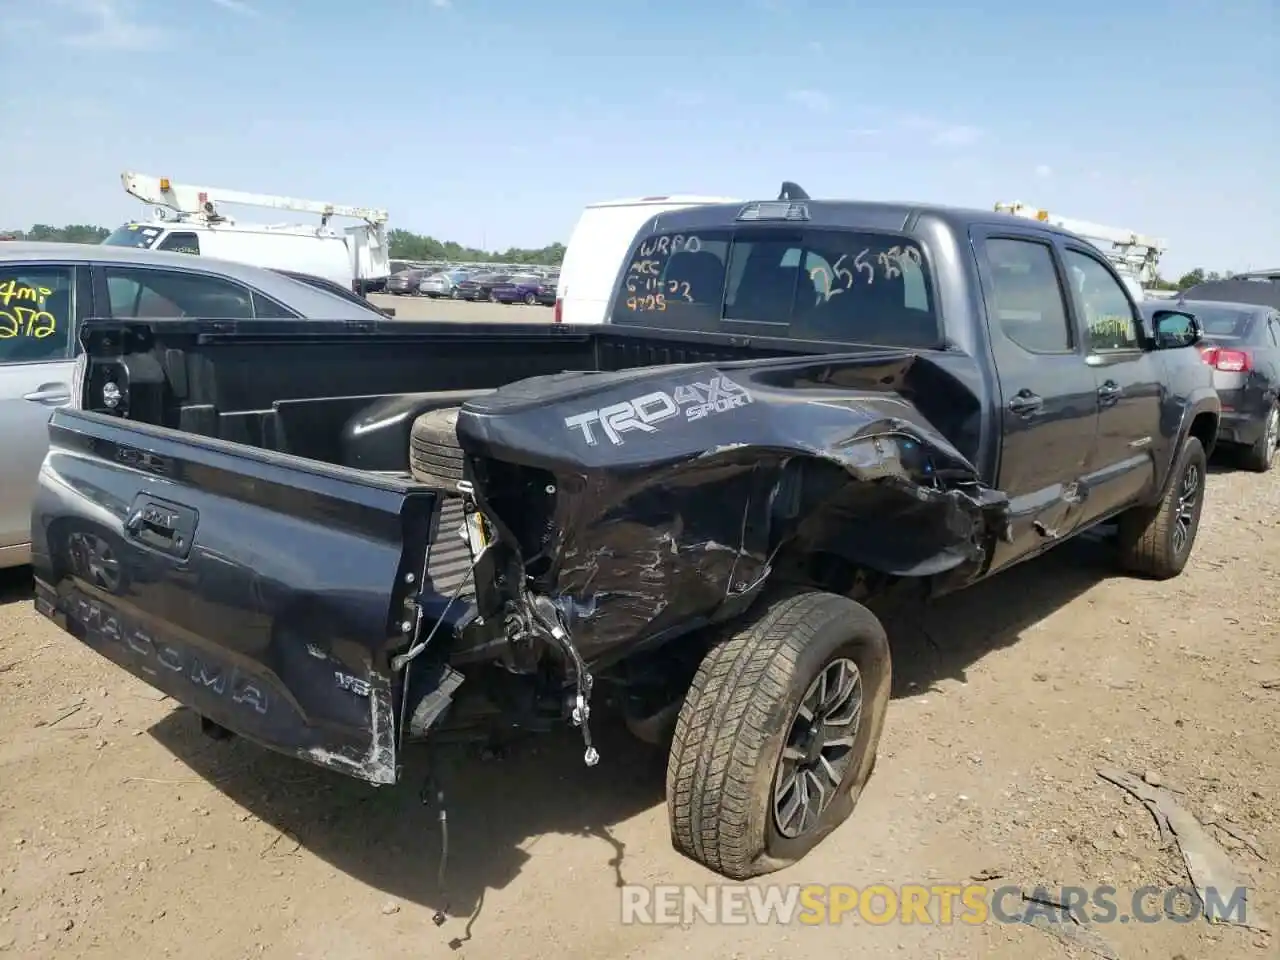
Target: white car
[[598, 246], [47, 290]]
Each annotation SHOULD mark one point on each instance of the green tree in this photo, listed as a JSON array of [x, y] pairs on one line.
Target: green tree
[[1191, 278], [71, 233], [406, 245]]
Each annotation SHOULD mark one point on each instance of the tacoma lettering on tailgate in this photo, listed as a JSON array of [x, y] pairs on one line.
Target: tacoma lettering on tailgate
[[696, 400], [160, 658]]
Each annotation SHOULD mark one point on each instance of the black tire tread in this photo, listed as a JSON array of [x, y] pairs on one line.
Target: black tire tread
[[1257, 458], [1144, 535], [723, 727], [434, 455]]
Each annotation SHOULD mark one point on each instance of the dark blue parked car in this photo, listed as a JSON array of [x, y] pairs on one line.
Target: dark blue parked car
[[519, 289]]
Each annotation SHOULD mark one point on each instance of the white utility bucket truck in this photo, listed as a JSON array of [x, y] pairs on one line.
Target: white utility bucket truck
[[190, 219], [1135, 256]]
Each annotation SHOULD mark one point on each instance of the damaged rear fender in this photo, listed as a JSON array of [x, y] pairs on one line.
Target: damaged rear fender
[[680, 525]]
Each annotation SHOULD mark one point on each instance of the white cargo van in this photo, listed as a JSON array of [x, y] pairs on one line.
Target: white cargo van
[[188, 220], [598, 245]]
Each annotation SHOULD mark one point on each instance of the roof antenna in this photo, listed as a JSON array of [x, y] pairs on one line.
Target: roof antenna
[[792, 191]]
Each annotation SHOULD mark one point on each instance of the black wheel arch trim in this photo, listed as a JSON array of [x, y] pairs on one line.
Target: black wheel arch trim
[[1200, 402]]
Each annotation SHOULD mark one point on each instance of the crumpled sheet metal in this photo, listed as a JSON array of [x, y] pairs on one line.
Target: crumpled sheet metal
[[678, 483]]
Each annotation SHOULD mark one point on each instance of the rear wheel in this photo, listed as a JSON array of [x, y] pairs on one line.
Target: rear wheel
[[434, 455], [1261, 455], [778, 734], [1157, 541]]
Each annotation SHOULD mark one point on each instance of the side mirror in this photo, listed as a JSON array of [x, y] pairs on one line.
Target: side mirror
[[1174, 329], [389, 311]]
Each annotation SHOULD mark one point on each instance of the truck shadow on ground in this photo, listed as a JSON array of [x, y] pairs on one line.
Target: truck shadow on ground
[[16, 586], [499, 810]]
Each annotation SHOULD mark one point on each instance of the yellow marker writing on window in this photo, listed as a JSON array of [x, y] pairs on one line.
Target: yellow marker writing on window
[[1112, 326], [11, 292], [27, 322]]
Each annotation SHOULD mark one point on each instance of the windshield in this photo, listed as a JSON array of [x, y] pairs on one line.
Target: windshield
[[138, 235], [807, 284]]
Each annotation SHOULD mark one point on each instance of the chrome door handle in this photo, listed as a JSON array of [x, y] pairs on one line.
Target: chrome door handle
[[1025, 403], [57, 393]]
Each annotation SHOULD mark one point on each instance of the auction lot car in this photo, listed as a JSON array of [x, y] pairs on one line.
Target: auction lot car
[[522, 289], [405, 282], [479, 286], [47, 290], [443, 284], [1242, 345], [327, 542]]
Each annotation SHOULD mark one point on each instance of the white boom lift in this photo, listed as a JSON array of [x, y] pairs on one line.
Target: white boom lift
[[1134, 255], [202, 202], [309, 248]]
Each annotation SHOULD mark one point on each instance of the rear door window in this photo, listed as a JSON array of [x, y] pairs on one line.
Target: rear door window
[[812, 284], [264, 308], [37, 312], [155, 294], [1025, 296]]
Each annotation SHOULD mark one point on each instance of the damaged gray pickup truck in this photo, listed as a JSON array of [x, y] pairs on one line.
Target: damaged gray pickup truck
[[333, 539]]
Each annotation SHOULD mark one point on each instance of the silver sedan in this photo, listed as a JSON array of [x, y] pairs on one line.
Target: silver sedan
[[47, 290], [443, 284]]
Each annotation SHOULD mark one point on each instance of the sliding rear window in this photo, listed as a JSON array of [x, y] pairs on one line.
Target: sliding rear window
[[807, 284]]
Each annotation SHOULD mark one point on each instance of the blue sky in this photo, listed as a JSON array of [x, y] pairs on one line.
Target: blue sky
[[492, 122]]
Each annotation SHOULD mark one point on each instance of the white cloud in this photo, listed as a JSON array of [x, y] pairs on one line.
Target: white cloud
[[943, 134], [1044, 171], [238, 7], [442, 4], [684, 98], [956, 135], [815, 100], [111, 26]]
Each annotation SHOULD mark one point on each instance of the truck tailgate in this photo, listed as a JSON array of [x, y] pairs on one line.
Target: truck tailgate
[[265, 592]]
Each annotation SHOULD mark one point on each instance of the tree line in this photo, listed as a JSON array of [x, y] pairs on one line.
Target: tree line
[[1190, 279], [404, 245]]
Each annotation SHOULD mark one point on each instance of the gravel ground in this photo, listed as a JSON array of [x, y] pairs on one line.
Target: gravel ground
[[125, 833]]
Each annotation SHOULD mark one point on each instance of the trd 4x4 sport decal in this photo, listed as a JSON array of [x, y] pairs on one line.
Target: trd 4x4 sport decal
[[695, 400]]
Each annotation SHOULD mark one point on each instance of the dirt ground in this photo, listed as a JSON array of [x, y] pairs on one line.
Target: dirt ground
[[125, 833], [425, 308]]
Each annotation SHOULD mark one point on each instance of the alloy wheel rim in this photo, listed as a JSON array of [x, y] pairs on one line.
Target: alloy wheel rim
[[819, 748], [1188, 501]]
